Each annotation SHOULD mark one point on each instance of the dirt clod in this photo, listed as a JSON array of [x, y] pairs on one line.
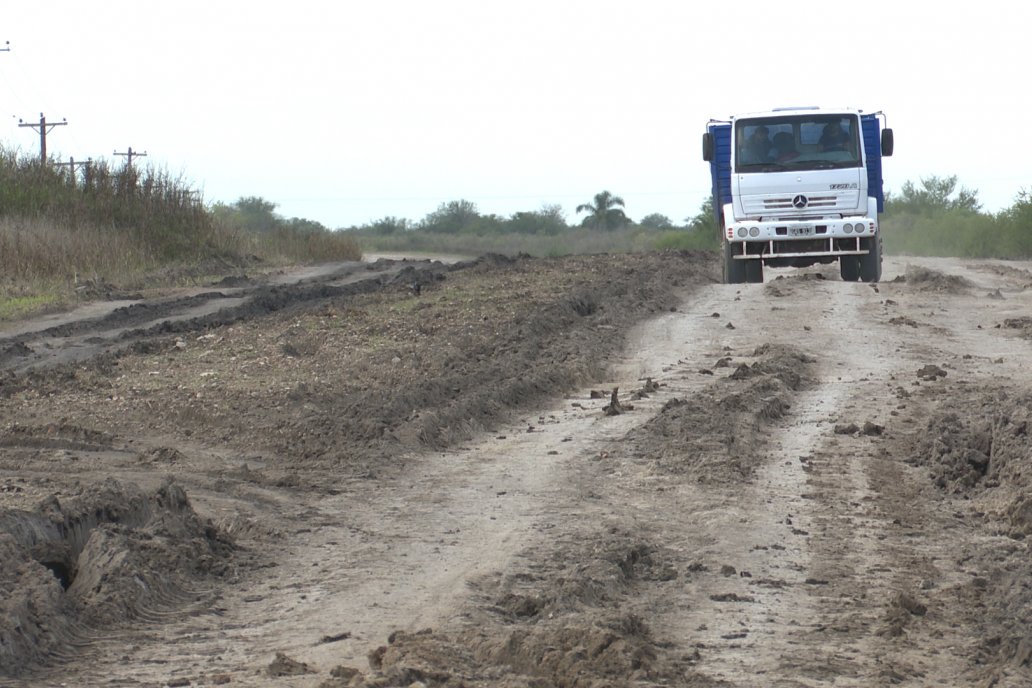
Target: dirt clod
[[930, 373], [283, 665]]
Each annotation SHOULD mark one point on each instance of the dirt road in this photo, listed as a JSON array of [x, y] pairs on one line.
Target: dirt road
[[415, 474]]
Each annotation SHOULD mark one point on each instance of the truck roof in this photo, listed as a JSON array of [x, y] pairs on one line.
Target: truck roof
[[796, 110]]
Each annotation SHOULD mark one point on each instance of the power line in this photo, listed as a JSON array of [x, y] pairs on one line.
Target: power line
[[43, 128], [130, 154], [71, 164]]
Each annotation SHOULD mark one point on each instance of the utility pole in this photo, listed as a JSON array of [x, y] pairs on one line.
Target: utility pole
[[43, 128], [130, 155], [72, 165]]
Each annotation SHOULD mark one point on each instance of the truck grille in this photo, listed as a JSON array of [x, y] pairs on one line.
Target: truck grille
[[785, 202]]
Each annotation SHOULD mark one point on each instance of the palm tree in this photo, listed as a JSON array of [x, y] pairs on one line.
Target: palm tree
[[604, 213]]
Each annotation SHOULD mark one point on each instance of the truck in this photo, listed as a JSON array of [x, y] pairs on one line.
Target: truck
[[798, 186]]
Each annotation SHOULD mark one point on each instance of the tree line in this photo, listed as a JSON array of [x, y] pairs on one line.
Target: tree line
[[935, 216], [604, 213]]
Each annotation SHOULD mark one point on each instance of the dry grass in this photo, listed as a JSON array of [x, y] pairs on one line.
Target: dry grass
[[46, 266], [35, 251], [122, 229]]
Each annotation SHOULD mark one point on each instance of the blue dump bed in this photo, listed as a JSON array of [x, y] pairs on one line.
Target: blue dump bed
[[720, 166], [872, 145]]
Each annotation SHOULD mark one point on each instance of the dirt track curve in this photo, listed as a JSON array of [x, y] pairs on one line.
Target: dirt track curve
[[412, 473]]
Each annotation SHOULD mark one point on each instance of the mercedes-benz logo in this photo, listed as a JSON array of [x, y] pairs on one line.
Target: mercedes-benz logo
[[800, 201]]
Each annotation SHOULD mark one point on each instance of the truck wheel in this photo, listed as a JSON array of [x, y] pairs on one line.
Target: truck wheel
[[734, 270], [871, 263], [849, 268], [754, 271]]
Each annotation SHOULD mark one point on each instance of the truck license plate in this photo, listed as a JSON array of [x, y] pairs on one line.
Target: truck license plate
[[801, 230]]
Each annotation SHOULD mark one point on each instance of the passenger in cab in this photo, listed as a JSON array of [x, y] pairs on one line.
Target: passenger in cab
[[784, 145], [833, 138], [759, 147]]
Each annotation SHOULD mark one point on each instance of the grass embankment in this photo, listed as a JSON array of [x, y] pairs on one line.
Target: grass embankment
[[579, 241], [128, 228]]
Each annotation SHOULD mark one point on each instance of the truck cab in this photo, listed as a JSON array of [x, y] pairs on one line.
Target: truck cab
[[793, 187]]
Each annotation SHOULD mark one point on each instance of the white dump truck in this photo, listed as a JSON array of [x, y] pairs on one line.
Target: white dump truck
[[796, 187]]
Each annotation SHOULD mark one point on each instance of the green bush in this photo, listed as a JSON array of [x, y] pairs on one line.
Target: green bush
[[940, 219]]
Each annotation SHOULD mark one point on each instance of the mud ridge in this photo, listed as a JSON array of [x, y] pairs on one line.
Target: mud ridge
[[20, 353], [107, 557], [574, 625], [978, 452], [714, 435], [922, 278]]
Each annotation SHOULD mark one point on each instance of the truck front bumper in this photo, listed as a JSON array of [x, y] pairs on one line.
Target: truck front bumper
[[800, 238]]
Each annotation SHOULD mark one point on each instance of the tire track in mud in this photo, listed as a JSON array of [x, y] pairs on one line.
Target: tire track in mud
[[828, 553], [110, 326], [791, 542]]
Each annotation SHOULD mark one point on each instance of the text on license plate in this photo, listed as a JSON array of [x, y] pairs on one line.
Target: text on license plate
[[801, 230]]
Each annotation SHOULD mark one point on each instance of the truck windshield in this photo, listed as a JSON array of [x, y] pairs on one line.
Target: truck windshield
[[797, 142]]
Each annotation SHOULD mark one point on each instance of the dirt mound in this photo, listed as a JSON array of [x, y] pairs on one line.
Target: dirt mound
[[981, 443], [572, 624], [108, 556], [977, 448], [714, 435], [1019, 276], [926, 279], [783, 285], [1024, 324]]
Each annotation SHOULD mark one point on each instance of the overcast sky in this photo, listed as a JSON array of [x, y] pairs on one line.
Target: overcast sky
[[346, 112]]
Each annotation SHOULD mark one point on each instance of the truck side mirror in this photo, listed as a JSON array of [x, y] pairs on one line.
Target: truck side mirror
[[886, 142], [707, 147]]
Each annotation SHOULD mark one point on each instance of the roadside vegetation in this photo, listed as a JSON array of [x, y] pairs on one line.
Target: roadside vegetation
[[936, 217], [134, 227], [939, 218], [458, 227]]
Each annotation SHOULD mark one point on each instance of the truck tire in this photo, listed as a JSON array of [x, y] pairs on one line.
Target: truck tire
[[871, 262], [849, 268], [734, 270]]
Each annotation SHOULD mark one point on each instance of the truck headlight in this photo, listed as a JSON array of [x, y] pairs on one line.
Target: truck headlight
[[847, 228], [742, 231], [754, 232]]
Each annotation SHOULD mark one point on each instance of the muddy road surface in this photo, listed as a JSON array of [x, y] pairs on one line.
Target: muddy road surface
[[590, 471]]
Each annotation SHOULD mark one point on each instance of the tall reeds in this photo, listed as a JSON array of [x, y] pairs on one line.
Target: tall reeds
[[103, 222]]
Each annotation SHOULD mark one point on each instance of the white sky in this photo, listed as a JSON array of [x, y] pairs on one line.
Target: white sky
[[346, 112]]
